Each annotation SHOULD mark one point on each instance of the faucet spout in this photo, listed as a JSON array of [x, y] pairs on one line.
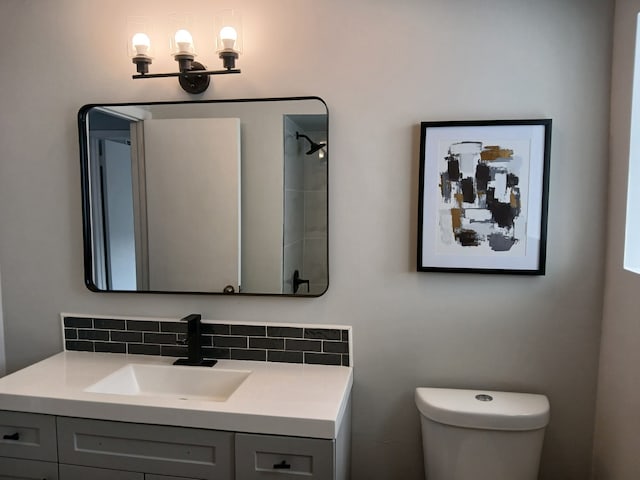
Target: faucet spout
[[194, 343]]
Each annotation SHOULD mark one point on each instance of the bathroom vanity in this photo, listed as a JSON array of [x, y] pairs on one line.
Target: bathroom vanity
[[81, 415]]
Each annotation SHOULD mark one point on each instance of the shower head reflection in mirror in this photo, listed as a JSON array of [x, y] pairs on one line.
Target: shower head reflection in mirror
[[313, 146]]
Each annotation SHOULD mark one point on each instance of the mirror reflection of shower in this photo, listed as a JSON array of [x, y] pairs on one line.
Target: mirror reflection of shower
[[305, 197], [313, 146]]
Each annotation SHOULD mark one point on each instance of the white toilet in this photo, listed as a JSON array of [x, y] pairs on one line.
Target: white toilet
[[481, 435]]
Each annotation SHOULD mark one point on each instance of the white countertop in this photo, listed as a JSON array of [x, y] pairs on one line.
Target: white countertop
[[276, 398]]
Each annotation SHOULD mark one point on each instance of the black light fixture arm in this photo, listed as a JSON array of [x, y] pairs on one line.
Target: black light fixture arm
[[186, 73], [193, 76]]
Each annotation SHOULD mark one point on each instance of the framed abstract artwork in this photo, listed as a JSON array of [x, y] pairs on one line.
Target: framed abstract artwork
[[483, 196]]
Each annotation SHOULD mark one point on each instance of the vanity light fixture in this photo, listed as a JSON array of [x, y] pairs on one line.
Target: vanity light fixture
[[192, 75]]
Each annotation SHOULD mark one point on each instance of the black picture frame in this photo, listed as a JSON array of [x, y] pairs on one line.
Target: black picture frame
[[483, 196]]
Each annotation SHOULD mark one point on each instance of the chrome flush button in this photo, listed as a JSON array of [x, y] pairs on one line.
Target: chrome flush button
[[483, 397]]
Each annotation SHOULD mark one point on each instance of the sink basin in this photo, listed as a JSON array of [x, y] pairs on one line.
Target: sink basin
[[184, 383]]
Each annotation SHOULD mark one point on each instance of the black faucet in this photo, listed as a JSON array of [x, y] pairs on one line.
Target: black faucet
[[194, 343]]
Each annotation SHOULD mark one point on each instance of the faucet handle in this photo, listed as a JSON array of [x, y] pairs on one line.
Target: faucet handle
[[193, 340]]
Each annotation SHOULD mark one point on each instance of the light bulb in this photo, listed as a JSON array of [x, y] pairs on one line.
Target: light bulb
[[184, 41], [228, 35], [141, 44]]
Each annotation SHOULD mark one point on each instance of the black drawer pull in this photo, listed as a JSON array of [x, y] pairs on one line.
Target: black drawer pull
[[283, 465], [15, 436]]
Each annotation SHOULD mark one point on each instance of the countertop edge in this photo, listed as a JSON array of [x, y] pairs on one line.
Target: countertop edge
[[249, 422], [151, 415]]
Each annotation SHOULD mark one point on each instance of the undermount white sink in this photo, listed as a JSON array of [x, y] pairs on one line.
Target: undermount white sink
[[180, 382]]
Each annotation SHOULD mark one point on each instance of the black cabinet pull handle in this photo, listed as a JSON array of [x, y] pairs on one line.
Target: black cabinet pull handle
[[283, 465], [15, 436]]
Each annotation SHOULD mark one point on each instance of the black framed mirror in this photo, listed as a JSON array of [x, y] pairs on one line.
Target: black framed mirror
[[206, 197]]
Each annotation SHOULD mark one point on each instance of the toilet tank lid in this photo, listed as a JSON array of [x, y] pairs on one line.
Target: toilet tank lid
[[483, 409]]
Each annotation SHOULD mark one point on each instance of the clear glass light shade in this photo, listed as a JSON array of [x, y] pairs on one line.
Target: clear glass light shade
[[181, 28], [228, 28], [141, 44], [228, 36], [183, 42], [139, 37]]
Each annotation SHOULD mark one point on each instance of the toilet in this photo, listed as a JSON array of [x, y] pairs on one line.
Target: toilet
[[481, 435]]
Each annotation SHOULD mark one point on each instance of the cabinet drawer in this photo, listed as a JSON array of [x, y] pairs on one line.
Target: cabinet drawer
[[28, 435], [74, 472], [270, 457], [153, 449], [164, 477], [17, 469]]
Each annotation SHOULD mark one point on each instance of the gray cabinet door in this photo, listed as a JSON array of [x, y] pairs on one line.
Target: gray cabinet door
[[153, 449], [18, 469], [164, 477], [271, 457], [74, 472], [28, 435]]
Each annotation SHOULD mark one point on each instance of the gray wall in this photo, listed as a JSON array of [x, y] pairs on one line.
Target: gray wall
[[382, 67], [616, 438], [2, 356]]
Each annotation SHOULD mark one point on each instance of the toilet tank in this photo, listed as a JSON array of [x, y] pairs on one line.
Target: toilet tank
[[484, 435]]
